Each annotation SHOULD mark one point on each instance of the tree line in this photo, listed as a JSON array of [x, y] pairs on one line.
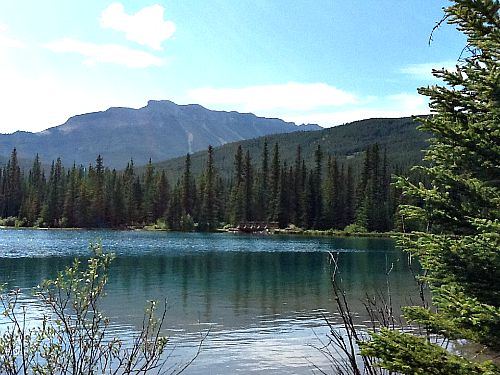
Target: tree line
[[327, 195]]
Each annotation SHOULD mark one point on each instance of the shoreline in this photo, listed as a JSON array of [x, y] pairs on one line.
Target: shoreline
[[286, 231]]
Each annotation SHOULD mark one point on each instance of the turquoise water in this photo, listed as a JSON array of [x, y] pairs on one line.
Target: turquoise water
[[264, 298]]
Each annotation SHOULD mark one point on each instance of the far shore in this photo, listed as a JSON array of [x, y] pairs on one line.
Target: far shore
[[285, 231]]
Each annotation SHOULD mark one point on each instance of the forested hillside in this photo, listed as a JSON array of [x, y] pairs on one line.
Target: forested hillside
[[399, 137]]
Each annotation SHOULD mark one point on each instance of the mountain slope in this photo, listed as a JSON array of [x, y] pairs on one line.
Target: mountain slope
[[403, 142], [159, 131]]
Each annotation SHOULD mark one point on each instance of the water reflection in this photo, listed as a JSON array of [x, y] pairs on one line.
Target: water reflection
[[245, 283], [263, 297]]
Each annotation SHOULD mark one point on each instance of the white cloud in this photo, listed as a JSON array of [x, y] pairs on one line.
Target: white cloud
[[146, 27], [35, 99], [424, 71], [7, 41], [106, 53], [37, 103], [316, 103], [292, 96], [393, 106]]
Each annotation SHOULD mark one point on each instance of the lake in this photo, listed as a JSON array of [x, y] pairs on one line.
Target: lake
[[263, 297]]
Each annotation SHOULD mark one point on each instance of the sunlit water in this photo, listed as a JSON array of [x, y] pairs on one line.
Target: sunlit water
[[264, 299]]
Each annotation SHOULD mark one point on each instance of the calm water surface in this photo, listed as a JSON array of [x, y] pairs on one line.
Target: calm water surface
[[264, 298]]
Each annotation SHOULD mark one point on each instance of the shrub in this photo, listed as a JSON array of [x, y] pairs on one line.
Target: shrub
[[72, 337]]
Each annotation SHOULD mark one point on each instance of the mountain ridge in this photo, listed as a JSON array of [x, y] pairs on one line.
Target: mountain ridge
[[160, 130]]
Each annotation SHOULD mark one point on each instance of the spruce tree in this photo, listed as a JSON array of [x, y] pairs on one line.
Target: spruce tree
[[149, 193], [162, 195], [98, 198], [460, 208], [236, 201], [54, 201], [274, 182], [187, 197], [33, 200], [298, 189], [248, 200], [262, 186], [208, 220], [317, 208], [13, 187], [128, 193], [70, 197]]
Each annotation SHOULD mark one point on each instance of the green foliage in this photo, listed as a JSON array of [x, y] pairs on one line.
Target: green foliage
[[72, 336], [354, 228], [408, 354], [459, 209]]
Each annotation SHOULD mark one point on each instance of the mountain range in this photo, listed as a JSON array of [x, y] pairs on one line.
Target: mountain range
[[161, 130]]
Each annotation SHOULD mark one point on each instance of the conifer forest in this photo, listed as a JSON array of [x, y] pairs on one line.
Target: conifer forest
[[327, 195]]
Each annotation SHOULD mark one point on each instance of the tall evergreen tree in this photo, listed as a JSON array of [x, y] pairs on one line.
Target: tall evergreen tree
[[262, 186], [148, 198], [460, 207], [298, 189], [237, 204], [188, 196], [348, 198], [33, 200], [12, 186], [283, 201], [208, 219], [70, 197], [117, 200], [54, 200], [274, 182], [162, 196], [98, 205], [128, 193], [316, 190]]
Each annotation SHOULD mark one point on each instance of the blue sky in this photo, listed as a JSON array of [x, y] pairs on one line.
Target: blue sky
[[321, 61]]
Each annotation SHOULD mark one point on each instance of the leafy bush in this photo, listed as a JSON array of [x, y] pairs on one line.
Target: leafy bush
[[354, 228], [8, 221], [72, 336]]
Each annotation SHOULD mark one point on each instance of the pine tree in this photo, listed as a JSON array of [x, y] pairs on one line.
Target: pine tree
[[317, 195], [248, 199], [348, 199], [237, 209], [149, 193], [98, 198], [298, 189], [208, 219], [331, 194], [460, 208], [262, 186], [117, 201], [82, 201], [12, 187], [188, 196], [54, 200], [162, 196], [128, 193], [283, 207], [70, 196], [274, 185], [33, 200]]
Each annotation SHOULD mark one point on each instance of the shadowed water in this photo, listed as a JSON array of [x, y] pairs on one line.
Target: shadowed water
[[264, 298]]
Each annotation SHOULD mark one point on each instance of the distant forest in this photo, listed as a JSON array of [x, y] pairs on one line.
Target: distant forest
[[327, 195]]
